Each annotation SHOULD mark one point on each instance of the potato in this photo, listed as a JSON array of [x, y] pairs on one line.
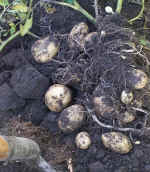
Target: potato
[[71, 118], [83, 140], [90, 40], [77, 35], [44, 50], [103, 106], [58, 97], [137, 79], [127, 117], [126, 96], [117, 142]]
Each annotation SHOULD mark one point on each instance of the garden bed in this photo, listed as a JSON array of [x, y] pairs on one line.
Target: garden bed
[[98, 69]]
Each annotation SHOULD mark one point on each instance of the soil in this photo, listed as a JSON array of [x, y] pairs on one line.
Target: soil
[[24, 113]]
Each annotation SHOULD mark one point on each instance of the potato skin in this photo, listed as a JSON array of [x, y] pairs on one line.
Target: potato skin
[[127, 117], [103, 106], [117, 142], [83, 140], [77, 35], [138, 79], [44, 50], [90, 40], [58, 97], [71, 118], [126, 96]]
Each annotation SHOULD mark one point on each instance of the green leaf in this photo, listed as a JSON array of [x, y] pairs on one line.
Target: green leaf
[[145, 42], [12, 28], [4, 3], [24, 29], [20, 7]]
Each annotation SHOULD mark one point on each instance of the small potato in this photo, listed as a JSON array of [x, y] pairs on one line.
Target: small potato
[[127, 117], [90, 40], [116, 142], [103, 106], [58, 97], [77, 35], [83, 140], [126, 96], [71, 118], [44, 50], [137, 79]]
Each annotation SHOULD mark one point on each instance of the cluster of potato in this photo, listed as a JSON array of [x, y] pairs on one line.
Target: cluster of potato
[[58, 97]]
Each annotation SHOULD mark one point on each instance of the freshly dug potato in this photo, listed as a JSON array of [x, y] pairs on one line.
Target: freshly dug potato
[[58, 97], [137, 79], [127, 117], [103, 106], [77, 35], [117, 142], [44, 50], [90, 40], [83, 140], [126, 96], [71, 118]]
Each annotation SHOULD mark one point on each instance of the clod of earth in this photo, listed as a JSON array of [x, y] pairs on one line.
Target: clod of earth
[[26, 82]]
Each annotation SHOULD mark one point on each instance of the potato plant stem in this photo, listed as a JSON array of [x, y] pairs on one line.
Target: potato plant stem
[[4, 43], [76, 6], [119, 6], [140, 13]]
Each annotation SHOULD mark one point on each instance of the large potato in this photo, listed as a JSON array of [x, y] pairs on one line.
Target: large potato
[[57, 97], [71, 118], [103, 106], [83, 140], [77, 35], [44, 50], [116, 142]]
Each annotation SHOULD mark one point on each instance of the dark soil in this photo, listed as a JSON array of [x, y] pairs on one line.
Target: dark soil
[[101, 71]]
